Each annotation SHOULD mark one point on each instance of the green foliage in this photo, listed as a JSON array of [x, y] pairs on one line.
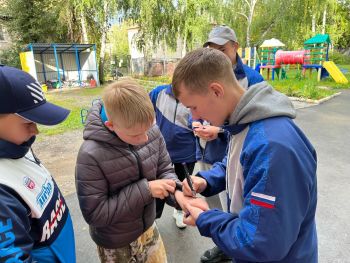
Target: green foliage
[[118, 39], [339, 58], [10, 57], [74, 100], [163, 79], [164, 20], [307, 89], [34, 21]]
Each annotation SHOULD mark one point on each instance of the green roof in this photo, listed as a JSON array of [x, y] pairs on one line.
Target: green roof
[[318, 39]]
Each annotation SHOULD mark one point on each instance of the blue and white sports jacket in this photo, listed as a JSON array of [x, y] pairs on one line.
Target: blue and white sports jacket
[[215, 150], [173, 120], [35, 224], [270, 179]]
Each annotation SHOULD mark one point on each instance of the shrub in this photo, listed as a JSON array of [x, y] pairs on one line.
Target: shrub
[[10, 57], [339, 58]]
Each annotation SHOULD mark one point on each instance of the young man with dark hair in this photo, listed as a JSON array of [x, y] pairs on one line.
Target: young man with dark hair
[[270, 173]]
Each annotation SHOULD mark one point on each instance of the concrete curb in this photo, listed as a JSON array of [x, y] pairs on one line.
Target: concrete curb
[[315, 102]]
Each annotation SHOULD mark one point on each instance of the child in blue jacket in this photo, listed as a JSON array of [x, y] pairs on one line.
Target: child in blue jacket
[[35, 224], [173, 120]]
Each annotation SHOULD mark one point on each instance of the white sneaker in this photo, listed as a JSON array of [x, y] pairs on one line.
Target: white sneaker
[[178, 216]]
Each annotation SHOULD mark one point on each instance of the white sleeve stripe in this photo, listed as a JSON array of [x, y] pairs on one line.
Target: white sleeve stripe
[[267, 197]]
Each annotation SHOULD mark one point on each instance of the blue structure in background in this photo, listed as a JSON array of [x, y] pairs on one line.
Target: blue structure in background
[[57, 50]]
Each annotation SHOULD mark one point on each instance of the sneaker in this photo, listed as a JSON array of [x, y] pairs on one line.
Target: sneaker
[[214, 255], [178, 216]]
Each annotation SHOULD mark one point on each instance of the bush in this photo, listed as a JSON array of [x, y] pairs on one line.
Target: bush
[[10, 57], [339, 58]]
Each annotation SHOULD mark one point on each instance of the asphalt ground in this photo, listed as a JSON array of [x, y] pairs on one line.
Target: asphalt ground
[[328, 128]]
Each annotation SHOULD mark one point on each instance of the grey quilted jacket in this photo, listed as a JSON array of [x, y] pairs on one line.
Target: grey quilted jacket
[[112, 182]]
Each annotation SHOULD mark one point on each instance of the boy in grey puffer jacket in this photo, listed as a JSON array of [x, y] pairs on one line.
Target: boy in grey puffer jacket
[[122, 167]]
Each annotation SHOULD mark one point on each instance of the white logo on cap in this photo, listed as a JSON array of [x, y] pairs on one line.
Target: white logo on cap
[[36, 92]]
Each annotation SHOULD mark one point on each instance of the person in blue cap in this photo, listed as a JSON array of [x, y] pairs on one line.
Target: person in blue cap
[[35, 223]]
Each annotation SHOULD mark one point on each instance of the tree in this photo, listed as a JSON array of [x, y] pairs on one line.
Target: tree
[[249, 9], [97, 16], [118, 38], [34, 20], [166, 20]]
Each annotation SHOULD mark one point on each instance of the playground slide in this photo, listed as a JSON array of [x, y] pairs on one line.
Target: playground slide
[[335, 72]]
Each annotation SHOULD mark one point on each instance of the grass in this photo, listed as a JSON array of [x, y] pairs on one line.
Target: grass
[[77, 99], [74, 100], [308, 87]]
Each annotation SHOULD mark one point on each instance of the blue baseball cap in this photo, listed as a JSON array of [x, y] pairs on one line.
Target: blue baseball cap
[[21, 94]]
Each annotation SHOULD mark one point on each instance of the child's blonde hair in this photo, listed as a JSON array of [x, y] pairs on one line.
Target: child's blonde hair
[[128, 104]]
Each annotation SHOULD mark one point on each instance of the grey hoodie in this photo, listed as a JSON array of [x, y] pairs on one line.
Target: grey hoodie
[[259, 102]]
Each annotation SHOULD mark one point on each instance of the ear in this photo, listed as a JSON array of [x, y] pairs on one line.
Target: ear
[[109, 125], [217, 89]]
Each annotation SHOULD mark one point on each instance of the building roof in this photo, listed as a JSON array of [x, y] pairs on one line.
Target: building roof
[[318, 39], [41, 48]]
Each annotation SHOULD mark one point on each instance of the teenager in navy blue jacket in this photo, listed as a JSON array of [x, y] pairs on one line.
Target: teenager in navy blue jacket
[[212, 141], [270, 172], [174, 123], [35, 223]]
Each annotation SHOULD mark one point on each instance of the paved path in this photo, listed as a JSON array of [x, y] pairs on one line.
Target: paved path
[[328, 127]]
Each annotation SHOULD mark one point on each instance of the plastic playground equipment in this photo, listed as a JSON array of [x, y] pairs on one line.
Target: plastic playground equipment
[[268, 51], [248, 55], [314, 56]]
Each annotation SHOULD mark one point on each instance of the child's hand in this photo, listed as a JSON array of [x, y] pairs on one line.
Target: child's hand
[[183, 200], [199, 185], [207, 132], [161, 188]]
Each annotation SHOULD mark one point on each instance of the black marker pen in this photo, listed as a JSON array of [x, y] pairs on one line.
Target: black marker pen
[[189, 179]]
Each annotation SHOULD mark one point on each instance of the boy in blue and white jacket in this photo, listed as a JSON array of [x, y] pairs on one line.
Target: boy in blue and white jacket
[[35, 224], [224, 38], [270, 172], [211, 146], [173, 120]]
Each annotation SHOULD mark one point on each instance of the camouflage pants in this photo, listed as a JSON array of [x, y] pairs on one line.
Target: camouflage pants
[[148, 248]]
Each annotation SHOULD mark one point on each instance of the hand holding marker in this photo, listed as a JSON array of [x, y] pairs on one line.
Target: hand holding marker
[[189, 180]]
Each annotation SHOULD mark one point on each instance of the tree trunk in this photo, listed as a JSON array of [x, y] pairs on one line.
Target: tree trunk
[[324, 20], [103, 40], [251, 7], [183, 46], [313, 26], [83, 27], [248, 33]]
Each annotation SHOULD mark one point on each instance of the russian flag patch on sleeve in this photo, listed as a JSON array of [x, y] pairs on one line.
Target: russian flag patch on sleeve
[[266, 201]]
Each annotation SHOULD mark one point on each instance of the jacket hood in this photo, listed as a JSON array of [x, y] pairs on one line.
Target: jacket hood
[[96, 130], [259, 102]]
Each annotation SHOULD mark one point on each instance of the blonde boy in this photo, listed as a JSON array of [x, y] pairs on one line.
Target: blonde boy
[[122, 167]]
